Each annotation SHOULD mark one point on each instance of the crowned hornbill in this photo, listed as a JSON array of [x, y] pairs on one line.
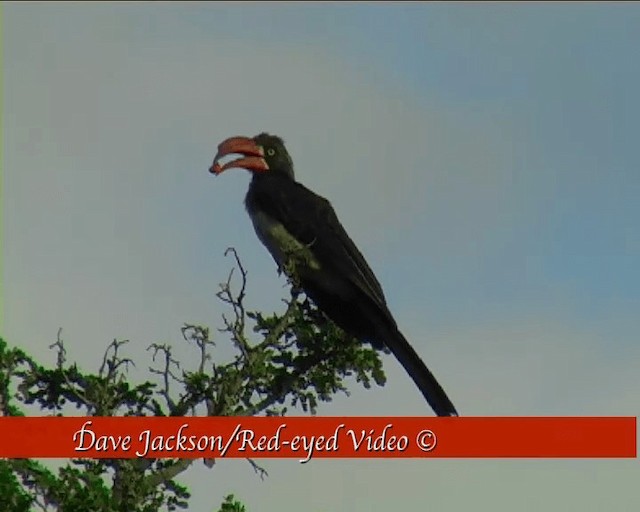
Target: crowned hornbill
[[298, 226]]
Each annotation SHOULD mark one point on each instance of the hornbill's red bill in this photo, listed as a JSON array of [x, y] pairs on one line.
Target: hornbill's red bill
[[298, 226]]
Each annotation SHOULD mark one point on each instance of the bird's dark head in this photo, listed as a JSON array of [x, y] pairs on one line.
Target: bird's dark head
[[261, 154]]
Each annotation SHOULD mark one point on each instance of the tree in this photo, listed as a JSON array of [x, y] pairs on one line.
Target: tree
[[293, 359]]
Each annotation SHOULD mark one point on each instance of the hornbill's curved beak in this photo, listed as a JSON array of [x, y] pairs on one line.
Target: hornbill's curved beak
[[252, 159]]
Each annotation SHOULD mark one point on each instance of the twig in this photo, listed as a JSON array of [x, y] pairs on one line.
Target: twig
[[61, 359], [61, 351], [166, 373], [287, 385], [200, 336], [258, 469], [272, 338], [237, 327], [113, 363]]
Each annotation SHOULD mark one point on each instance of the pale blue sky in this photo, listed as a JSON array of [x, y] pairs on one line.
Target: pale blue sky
[[483, 156]]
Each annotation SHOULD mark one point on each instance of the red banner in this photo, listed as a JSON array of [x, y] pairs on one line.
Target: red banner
[[304, 438]]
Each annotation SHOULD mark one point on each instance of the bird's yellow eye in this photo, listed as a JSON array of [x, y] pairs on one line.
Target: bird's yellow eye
[[271, 152]]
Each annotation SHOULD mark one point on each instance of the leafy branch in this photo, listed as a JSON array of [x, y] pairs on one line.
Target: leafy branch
[[293, 359]]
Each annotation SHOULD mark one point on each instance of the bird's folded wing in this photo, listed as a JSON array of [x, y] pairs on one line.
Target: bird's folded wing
[[312, 220]]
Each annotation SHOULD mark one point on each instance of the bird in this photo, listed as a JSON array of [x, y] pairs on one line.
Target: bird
[[301, 230]]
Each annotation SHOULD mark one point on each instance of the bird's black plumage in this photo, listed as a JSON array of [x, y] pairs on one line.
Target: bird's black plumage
[[294, 222]]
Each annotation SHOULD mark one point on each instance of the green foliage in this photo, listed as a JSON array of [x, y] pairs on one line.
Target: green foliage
[[296, 358], [12, 495], [231, 505]]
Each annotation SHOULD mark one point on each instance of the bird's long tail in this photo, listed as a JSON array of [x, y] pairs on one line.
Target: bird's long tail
[[420, 374]]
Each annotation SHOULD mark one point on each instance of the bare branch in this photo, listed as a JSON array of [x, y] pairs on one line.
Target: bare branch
[[61, 359], [260, 471], [236, 301], [61, 351], [113, 363], [200, 336], [166, 372]]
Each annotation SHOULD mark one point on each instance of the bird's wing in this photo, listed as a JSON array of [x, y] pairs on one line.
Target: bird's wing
[[312, 220]]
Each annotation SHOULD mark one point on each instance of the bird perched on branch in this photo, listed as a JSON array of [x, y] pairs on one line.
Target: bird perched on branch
[[303, 234]]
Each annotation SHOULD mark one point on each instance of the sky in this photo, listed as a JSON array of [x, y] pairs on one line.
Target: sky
[[483, 156]]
